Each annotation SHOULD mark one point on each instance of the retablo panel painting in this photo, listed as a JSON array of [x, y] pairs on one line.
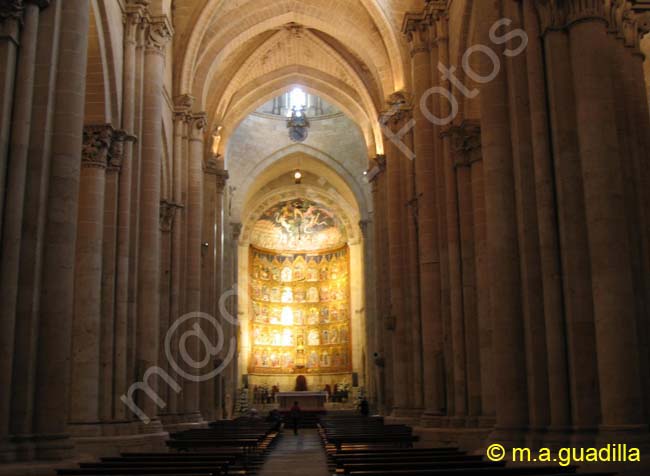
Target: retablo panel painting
[[300, 316]]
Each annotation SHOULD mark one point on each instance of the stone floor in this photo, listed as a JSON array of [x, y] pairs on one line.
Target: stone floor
[[296, 455]]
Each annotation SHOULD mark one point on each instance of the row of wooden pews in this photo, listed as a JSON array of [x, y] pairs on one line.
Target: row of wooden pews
[[233, 448], [351, 450]]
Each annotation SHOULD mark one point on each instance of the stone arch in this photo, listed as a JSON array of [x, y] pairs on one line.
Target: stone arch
[[307, 153], [323, 85], [259, 205], [281, 50], [102, 103], [318, 17]]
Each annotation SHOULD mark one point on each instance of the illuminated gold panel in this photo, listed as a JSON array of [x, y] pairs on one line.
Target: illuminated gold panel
[[300, 312]]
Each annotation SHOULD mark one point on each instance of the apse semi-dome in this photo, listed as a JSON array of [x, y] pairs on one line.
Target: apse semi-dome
[[298, 225]]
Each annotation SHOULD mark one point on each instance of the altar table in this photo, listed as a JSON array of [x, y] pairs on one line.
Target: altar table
[[306, 400]]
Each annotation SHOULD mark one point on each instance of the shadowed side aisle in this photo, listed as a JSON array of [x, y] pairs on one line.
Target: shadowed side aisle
[[296, 455]]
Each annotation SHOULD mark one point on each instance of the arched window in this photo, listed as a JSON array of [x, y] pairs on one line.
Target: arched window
[[297, 100]]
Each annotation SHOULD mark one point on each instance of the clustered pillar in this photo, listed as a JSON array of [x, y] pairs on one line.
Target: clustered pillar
[[100, 255], [532, 224]]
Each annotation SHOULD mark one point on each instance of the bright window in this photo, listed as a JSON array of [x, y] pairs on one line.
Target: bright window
[[297, 100]]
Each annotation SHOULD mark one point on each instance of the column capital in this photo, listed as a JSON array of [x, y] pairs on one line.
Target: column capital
[[159, 33], [416, 27], [421, 28], [236, 230], [40, 3], [134, 14], [97, 140], [198, 123], [214, 167], [400, 107], [465, 143], [629, 22], [377, 167], [364, 225], [558, 15], [116, 151], [222, 180], [183, 107], [167, 214], [11, 10]]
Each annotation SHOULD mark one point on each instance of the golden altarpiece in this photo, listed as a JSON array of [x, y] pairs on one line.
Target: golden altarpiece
[[299, 293]]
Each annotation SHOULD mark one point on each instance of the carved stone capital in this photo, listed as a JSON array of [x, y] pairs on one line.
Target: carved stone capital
[[182, 107], [198, 123], [236, 230], [211, 166], [222, 180], [11, 10], [465, 143], [97, 141], [560, 14], [214, 167], [400, 108], [377, 167], [167, 214], [116, 151], [39, 3], [134, 14], [629, 21], [159, 33], [416, 27], [364, 225]]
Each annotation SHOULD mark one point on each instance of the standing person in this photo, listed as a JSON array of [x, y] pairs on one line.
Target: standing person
[[364, 408], [295, 417]]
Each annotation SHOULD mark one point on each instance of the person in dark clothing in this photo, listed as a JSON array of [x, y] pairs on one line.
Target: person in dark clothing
[[364, 408], [295, 414]]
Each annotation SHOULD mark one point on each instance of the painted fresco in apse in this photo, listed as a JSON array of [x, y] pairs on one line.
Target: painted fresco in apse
[[298, 225]]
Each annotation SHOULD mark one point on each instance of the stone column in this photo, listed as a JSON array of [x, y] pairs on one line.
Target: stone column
[[86, 338], [444, 363], [574, 248], [381, 352], [168, 214], [505, 283], [13, 211], [231, 372], [528, 233], [411, 285], [483, 277], [108, 286], [452, 237], [32, 237], [181, 117], [194, 253], [367, 228], [613, 287], [429, 261], [465, 144], [211, 171], [221, 179], [132, 366], [148, 299], [125, 244], [397, 324], [637, 104], [11, 12], [558, 385], [57, 294], [632, 117]]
